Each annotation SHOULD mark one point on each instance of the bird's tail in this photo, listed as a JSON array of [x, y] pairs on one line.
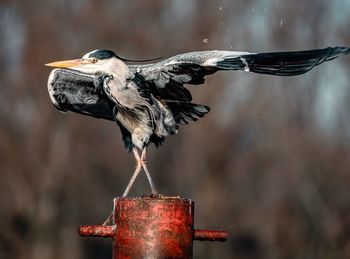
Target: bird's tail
[[282, 63], [185, 112]]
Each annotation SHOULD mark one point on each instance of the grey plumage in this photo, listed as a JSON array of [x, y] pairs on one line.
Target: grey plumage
[[150, 101], [72, 90]]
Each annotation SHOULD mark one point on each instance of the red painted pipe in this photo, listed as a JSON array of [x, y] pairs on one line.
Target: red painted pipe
[[153, 227], [98, 231], [210, 235], [110, 231]]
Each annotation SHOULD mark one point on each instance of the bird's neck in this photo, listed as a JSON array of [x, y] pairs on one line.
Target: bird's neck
[[119, 71], [116, 84]]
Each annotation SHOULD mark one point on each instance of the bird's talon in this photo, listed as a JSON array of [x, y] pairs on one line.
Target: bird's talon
[[152, 195], [155, 195]]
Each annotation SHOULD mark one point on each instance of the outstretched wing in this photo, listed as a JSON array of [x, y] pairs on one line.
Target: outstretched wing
[[282, 63], [167, 78], [169, 75], [78, 92]]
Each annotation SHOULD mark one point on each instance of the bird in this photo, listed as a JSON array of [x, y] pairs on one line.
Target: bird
[[148, 99]]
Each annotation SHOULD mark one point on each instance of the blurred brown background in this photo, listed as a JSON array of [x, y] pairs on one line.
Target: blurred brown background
[[270, 163]]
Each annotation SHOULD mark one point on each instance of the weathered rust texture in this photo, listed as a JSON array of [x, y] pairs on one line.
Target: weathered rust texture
[[153, 227], [210, 235], [98, 231]]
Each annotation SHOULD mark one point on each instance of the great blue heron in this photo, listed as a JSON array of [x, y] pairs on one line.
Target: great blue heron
[[149, 101]]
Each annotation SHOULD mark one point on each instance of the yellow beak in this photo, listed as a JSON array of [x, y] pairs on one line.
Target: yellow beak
[[67, 63]]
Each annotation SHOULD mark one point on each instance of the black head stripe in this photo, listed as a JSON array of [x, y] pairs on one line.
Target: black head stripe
[[102, 54]]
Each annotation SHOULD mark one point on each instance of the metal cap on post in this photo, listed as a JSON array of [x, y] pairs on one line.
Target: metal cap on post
[[153, 227]]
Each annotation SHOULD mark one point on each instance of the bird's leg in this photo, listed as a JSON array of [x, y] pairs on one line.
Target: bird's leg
[[144, 166], [136, 173], [110, 219]]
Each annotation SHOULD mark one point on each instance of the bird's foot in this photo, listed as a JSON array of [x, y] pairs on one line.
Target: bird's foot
[[153, 195], [156, 195]]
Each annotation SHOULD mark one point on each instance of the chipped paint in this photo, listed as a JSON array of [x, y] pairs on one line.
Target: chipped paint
[[153, 227]]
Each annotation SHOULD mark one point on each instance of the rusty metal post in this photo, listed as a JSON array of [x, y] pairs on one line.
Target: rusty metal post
[[153, 227]]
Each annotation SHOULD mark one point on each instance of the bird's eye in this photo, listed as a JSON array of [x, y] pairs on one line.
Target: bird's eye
[[93, 60]]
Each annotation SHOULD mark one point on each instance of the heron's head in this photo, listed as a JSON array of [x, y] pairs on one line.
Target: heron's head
[[97, 61]]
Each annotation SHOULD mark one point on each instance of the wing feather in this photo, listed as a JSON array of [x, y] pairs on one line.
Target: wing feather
[[78, 92], [192, 67], [282, 63], [166, 79]]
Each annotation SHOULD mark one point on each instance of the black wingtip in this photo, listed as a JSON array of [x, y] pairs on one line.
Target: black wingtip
[[339, 51], [344, 50], [288, 63]]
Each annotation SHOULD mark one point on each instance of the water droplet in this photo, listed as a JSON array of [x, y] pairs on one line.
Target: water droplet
[[205, 40], [281, 23], [220, 8]]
